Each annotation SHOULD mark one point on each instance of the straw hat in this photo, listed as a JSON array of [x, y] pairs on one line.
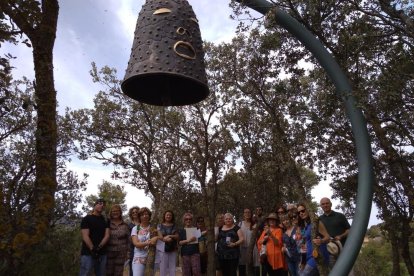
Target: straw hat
[[272, 216], [334, 248]]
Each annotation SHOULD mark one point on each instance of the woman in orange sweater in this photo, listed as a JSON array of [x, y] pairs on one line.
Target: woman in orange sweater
[[272, 238]]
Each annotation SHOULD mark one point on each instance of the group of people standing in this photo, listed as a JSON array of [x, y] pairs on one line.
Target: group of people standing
[[292, 240], [289, 240]]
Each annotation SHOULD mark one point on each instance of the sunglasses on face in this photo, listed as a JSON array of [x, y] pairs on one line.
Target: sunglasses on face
[[301, 211], [188, 219]]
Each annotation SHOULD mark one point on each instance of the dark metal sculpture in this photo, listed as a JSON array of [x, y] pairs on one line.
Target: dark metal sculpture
[[166, 66]]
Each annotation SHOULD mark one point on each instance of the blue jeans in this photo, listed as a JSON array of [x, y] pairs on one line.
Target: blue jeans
[[309, 271], [293, 268], [87, 263]]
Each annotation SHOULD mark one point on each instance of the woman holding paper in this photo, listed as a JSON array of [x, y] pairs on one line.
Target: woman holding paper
[[189, 247]]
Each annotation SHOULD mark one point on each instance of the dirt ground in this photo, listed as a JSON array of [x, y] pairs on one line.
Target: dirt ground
[[177, 272]]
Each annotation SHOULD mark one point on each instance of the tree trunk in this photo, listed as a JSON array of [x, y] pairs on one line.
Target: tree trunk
[[395, 254], [211, 265], [46, 135], [211, 211], [405, 247]]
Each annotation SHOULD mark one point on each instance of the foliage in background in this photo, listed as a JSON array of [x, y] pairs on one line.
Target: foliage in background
[[111, 193], [58, 254], [375, 257]]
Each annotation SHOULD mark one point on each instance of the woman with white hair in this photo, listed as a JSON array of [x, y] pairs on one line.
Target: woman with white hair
[[229, 239]]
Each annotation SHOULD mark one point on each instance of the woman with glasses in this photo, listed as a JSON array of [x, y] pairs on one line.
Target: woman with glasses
[[313, 244], [290, 247], [229, 239], [189, 247], [133, 221], [280, 211], [293, 215]]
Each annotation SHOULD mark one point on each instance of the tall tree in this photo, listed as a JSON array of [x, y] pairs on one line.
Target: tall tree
[[206, 151], [37, 20], [17, 174], [270, 138]]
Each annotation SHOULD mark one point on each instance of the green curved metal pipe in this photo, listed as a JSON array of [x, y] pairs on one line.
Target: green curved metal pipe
[[359, 128]]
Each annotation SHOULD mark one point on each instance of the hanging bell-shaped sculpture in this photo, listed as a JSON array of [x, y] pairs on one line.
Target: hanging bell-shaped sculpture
[[166, 66]]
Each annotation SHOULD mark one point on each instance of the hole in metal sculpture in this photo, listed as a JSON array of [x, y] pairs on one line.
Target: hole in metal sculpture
[[184, 50], [183, 31], [162, 11]]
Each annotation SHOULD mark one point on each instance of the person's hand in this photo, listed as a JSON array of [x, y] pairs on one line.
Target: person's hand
[[192, 239], [153, 241], [231, 244], [95, 252], [337, 238], [317, 241]]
